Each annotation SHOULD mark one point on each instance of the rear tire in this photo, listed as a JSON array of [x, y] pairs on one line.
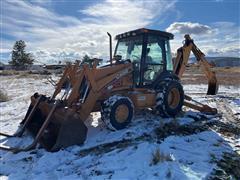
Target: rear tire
[[170, 97], [117, 112]]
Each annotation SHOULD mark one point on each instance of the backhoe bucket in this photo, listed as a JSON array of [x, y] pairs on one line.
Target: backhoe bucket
[[52, 124], [212, 87]]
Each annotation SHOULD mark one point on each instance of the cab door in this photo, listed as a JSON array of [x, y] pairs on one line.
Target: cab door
[[154, 60]]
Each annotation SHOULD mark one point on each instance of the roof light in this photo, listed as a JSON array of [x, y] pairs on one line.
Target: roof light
[[145, 30]]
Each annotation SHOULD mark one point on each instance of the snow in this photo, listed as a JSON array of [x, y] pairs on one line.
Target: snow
[[123, 154]]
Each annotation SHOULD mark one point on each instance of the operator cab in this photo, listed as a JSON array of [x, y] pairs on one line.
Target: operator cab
[[148, 50]]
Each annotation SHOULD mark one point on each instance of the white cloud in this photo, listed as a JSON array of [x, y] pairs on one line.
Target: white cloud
[[41, 2], [53, 37], [224, 51], [45, 30], [216, 39], [189, 28], [5, 50]]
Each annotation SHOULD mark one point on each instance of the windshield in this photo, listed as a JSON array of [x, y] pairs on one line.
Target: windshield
[[130, 48]]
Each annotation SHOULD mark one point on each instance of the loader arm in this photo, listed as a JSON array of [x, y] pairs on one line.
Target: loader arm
[[68, 75], [94, 89]]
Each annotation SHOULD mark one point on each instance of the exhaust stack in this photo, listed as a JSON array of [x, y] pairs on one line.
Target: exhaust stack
[[110, 46]]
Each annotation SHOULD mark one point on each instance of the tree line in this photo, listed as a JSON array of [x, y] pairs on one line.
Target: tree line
[[21, 59]]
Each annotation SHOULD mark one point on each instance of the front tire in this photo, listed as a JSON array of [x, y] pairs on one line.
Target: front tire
[[117, 112]]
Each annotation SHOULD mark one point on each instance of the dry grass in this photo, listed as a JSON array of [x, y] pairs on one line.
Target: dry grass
[[25, 74], [158, 157], [14, 72], [225, 76], [3, 96], [9, 72]]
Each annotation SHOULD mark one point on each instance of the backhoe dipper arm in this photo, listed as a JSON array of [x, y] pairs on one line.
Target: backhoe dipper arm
[[206, 67]]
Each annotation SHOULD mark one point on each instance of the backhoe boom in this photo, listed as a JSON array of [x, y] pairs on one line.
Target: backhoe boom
[[180, 64], [182, 58]]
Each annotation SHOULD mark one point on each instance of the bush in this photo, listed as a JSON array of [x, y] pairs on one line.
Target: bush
[[158, 157], [3, 96]]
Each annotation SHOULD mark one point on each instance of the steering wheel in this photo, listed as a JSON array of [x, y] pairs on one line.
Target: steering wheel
[[135, 56], [149, 74]]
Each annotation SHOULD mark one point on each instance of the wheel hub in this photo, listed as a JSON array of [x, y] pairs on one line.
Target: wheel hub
[[173, 98], [121, 114]]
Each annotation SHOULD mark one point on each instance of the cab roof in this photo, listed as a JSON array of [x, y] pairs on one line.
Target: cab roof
[[145, 31]]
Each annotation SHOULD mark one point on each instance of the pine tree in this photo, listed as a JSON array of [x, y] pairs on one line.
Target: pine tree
[[20, 59], [86, 59]]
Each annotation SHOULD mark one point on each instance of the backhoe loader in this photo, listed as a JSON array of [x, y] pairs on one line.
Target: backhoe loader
[[140, 75]]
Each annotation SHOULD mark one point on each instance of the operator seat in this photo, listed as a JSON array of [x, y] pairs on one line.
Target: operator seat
[[149, 58]]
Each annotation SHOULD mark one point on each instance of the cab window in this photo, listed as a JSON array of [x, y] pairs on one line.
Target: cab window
[[131, 48], [154, 53]]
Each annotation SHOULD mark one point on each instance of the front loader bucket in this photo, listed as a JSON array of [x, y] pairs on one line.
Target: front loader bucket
[[65, 127], [52, 124]]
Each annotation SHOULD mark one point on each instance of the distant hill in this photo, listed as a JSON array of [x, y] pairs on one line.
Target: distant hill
[[221, 61], [1, 64]]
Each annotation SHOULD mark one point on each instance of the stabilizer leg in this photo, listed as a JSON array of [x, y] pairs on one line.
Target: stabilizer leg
[[189, 102]]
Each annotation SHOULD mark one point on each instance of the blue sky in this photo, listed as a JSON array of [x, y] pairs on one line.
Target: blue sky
[[67, 30]]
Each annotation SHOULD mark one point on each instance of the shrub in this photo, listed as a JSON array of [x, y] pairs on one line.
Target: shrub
[[158, 156], [3, 96]]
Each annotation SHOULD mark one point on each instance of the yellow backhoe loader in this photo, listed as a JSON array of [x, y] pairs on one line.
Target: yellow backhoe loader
[[140, 75]]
